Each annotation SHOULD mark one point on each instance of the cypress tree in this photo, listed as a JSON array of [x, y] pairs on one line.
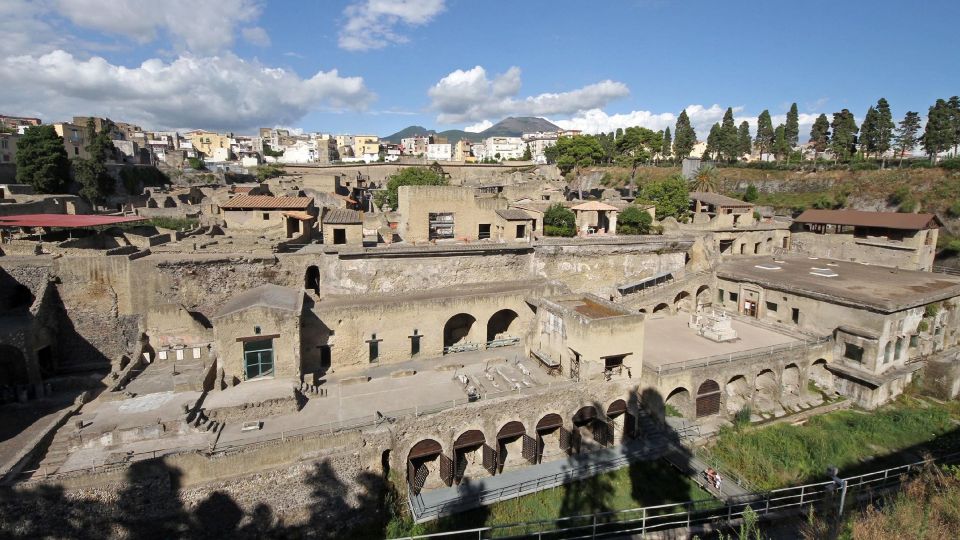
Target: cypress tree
[[792, 126], [764, 140], [728, 142], [868, 132], [684, 136], [781, 148], [713, 141], [743, 139], [885, 126], [844, 140], [953, 106], [667, 142], [820, 135], [938, 133]]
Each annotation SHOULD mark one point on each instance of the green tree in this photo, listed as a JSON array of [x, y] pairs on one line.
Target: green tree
[[781, 148], [559, 220], [667, 144], [705, 180], [844, 140], [410, 176], [953, 106], [885, 127], [765, 135], [728, 141], [42, 160], [792, 127], [671, 196], [938, 133], [527, 154], [637, 145], [820, 135], [684, 136], [713, 142], [751, 194], [907, 134], [633, 220], [744, 142], [868, 132], [583, 150], [91, 172]]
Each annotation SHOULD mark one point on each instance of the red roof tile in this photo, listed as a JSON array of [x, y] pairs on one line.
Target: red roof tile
[[261, 202]]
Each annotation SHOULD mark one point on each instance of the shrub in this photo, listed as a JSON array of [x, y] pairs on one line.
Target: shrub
[[908, 206], [865, 166], [742, 417], [751, 194], [558, 220], [552, 230], [196, 164], [923, 326], [899, 195], [951, 164], [952, 247], [931, 310], [954, 210], [670, 410], [269, 170], [823, 202], [633, 220]]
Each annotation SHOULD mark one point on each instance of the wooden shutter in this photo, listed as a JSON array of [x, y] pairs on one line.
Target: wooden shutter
[[530, 448], [490, 459], [446, 470]]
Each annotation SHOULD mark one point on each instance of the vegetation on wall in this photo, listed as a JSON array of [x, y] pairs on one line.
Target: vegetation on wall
[[137, 177], [269, 170], [410, 176]]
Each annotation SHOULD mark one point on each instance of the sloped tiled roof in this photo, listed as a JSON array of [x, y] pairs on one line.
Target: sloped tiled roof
[[263, 202], [594, 206], [514, 214], [859, 218], [342, 216]]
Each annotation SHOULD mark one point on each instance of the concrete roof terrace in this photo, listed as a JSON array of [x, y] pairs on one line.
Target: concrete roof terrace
[[669, 341], [877, 288]]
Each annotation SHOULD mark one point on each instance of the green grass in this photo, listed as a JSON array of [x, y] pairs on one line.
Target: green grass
[[640, 484], [780, 455], [173, 223]]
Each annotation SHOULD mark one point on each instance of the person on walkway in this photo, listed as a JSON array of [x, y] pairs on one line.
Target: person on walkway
[[717, 481], [711, 475]]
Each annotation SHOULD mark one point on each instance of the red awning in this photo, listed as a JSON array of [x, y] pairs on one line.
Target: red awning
[[64, 220]]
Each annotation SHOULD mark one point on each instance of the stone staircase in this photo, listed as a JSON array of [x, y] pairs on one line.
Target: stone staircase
[[56, 453]]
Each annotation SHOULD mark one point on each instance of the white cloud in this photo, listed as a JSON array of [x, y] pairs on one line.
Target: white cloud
[[470, 96], [198, 27], [221, 92], [256, 36], [479, 126], [372, 24]]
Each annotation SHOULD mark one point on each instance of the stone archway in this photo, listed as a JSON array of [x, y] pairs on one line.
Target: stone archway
[[457, 330], [766, 390], [502, 325], [472, 455], [311, 279], [738, 393], [553, 440], [708, 399], [663, 306], [679, 400], [588, 429], [790, 381], [703, 295], [622, 423], [682, 301], [513, 446], [820, 375], [426, 467]]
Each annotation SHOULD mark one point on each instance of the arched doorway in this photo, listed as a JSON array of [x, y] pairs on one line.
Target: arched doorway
[[471, 455], [13, 367], [552, 438], [791, 380], [457, 330], [622, 422], [738, 393], [703, 295], [426, 458], [661, 307], [311, 281], [766, 390], [681, 301], [502, 325], [514, 446], [708, 398], [820, 375], [587, 428], [678, 402]]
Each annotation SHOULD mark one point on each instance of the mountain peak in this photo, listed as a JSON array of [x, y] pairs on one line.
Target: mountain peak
[[511, 126]]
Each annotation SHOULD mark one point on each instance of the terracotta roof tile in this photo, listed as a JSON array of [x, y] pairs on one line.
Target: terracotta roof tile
[[260, 202]]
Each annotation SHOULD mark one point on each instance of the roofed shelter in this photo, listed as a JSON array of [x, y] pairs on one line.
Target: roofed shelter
[[342, 226], [596, 217], [263, 212], [726, 211]]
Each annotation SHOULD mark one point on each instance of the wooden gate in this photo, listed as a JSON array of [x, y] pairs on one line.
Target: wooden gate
[[708, 398], [446, 470], [490, 459], [530, 448]]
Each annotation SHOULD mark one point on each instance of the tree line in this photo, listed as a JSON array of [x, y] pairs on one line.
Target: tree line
[[730, 142]]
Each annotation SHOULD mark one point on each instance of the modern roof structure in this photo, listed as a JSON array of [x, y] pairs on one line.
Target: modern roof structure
[[266, 202], [343, 216], [64, 220], [716, 199], [268, 296], [596, 206], [514, 214], [877, 288], [859, 218]]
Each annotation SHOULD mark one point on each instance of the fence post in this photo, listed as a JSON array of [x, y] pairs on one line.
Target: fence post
[[801, 495], [843, 497], [594, 535], [643, 523]]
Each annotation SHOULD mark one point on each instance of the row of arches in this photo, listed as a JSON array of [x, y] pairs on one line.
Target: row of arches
[[474, 454], [766, 390], [458, 329], [683, 301]]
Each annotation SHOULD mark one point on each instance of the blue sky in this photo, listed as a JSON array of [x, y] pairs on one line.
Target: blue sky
[[376, 66]]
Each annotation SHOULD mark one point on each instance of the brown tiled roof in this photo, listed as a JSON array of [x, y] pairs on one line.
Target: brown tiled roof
[[262, 202], [594, 205], [717, 199], [514, 214], [859, 218], [302, 216], [342, 216]]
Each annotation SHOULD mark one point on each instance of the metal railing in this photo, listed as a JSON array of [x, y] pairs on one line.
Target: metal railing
[[790, 501], [732, 357], [946, 270]]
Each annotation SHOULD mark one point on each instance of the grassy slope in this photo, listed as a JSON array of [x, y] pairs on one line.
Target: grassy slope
[[780, 455]]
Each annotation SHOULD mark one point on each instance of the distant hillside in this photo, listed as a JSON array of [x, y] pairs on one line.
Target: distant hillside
[[508, 127], [516, 126]]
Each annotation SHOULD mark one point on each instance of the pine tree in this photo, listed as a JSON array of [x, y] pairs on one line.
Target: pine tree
[[868, 132], [781, 148], [764, 140], [793, 126], [844, 140], [667, 142], [820, 135], [684, 136], [727, 141], [938, 133], [885, 126], [953, 106], [743, 139], [42, 160], [713, 142], [907, 134]]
